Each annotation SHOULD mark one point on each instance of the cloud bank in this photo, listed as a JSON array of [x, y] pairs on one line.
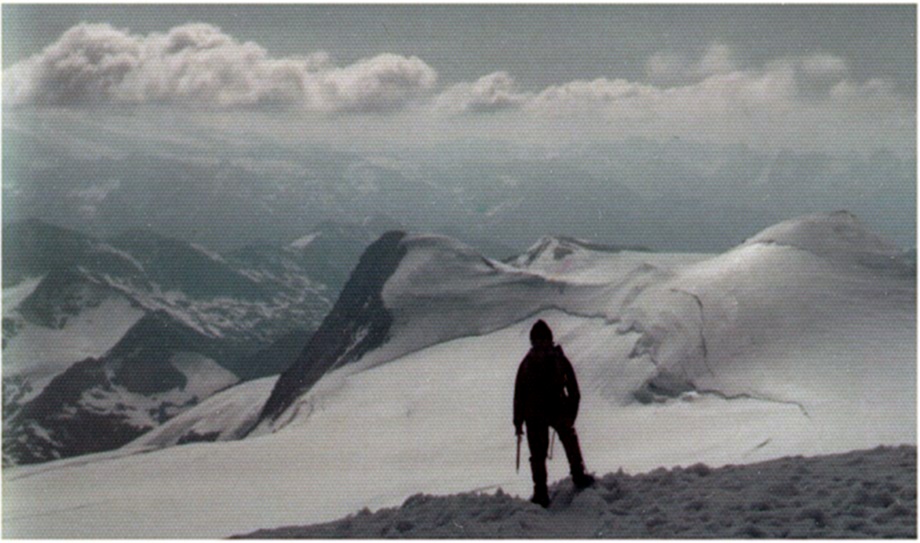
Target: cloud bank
[[806, 101], [198, 64], [803, 102]]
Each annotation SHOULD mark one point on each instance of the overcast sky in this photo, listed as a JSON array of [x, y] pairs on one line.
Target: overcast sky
[[838, 78], [832, 80], [539, 45]]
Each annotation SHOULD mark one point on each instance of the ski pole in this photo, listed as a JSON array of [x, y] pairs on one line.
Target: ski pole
[[517, 463], [552, 439]]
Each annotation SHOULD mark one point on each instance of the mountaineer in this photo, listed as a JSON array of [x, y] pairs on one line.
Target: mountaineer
[[546, 396]]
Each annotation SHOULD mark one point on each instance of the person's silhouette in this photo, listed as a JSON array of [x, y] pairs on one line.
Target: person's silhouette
[[546, 395]]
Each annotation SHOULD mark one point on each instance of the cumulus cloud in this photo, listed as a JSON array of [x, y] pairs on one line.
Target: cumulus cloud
[[718, 59], [587, 96], [381, 83], [722, 95], [668, 67], [807, 102], [490, 93], [199, 64], [823, 65]]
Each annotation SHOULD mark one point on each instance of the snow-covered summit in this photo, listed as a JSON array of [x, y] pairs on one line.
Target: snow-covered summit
[[402, 281], [358, 322], [838, 236], [646, 325]]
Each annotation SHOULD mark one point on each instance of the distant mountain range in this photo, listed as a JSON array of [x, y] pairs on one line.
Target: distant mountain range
[[670, 196], [106, 339]]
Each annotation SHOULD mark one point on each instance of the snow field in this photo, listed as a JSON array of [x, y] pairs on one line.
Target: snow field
[[226, 416], [437, 421], [13, 296], [38, 354], [203, 375]]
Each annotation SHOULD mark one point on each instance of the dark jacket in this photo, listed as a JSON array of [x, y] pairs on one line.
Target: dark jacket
[[546, 389]]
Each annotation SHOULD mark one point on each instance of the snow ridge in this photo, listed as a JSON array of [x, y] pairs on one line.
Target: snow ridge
[[838, 236], [662, 326], [861, 494], [357, 323]]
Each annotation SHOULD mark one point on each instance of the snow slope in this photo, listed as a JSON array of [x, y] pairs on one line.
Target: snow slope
[[563, 255], [71, 300], [861, 494], [769, 350], [222, 417], [14, 295], [52, 321], [40, 353]]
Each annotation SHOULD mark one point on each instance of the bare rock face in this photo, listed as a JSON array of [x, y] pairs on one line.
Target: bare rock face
[[358, 323]]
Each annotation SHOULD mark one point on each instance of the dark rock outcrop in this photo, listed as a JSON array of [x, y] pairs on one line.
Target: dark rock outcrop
[[54, 424], [357, 323]]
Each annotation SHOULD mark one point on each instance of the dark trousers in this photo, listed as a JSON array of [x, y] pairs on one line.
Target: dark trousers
[[538, 441]]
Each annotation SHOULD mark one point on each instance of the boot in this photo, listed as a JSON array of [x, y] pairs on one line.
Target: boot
[[540, 496], [569, 439], [540, 492], [582, 480]]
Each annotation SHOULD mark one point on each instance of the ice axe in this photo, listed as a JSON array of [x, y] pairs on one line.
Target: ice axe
[[517, 462]]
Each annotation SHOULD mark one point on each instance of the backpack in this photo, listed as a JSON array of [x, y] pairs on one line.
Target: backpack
[[548, 382]]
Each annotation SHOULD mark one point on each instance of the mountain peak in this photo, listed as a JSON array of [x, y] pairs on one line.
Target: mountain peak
[[838, 236], [174, 263], [330, 250], [34, 247], [358, 322]]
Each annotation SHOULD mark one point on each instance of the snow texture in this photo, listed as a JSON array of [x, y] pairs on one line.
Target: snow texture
[[766, 351], [302, 242], [863, 494], [39, 353], [224, 416]]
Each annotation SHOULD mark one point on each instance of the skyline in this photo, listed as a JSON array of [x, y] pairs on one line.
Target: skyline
[[729, 93]]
